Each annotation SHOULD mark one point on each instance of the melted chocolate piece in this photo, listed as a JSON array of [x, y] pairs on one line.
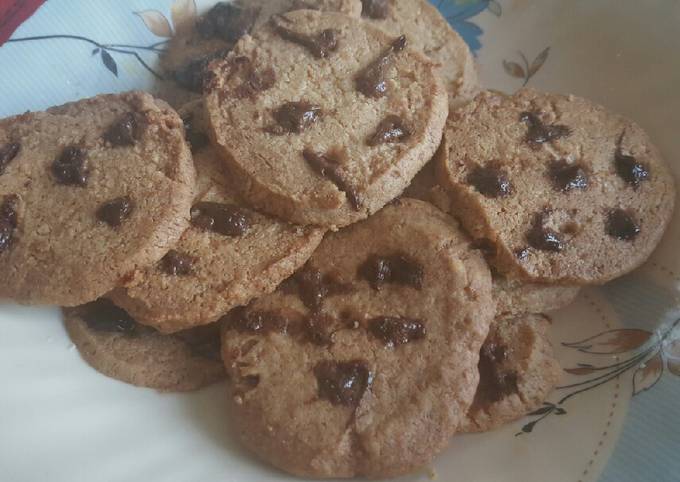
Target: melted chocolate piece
[[197, 139], [318, 330], [295, 117], [397, 269], [203, 341], [227, 21], [256, 322], [566, 176], [390, 130], [255, 81], [342, 383], [70, 169], [124, 132], [102, 315], [321, 45], [313, 287], [175, 263], [492, 182], [8, 221], [116, 211], [225, 219], [627, 167], [620, 224], [371, 81], [193, 75], [375, 9], [394, 331], [326, 165], [494, 383], [542, 238], [7, 154], [540, 133]]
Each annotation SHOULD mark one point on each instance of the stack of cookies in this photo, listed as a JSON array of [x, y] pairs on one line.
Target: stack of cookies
[[334, 218]]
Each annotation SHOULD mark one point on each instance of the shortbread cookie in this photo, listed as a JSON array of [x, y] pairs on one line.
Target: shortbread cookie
[[89, 192], [323, 117], [229, 255], [517, 371], [214, 33], [567, 191], [115, 345], [431, 34], [365, 362]]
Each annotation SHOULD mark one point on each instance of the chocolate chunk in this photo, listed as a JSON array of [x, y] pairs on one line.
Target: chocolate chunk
[[255, 81], [371, 81], [494, 382], [8, 221], [375, 9], [318, 330], [542, 238], [102, 315], [490, 181], [326, 165], [321, 45], [177, 264], [540, 133], [227, 21], [566, 176], [124, 132], [116, 211], [295, 117], [203, 341], [250, 382], [70, 167], [313, 287], [193, 75], [197, 139], [260, 322], [394, 331], [397, 269], [342, 383], [225, 219], [7, 154], [627, 167], [390, 130], [622, 225]]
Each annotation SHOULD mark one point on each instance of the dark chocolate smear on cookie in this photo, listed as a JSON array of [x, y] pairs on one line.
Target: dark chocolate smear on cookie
[[8, 221], [371, 81], [197, 139], [125, 131], [103, 316], [256, 322], [542, 238], [342, 383], [621, 224], [70, 168], [394, 331], [227, 21], [116, 211], [490, 181], [319, 329], [295, 117], [494, 383], [225, 219], [391, 129], [396, 269], [320, 45], [203, 341], [628, 168], [176, 263], [7, 154], [566, 177], [255, 79], [539, 132], [328, 166], [375, 9]]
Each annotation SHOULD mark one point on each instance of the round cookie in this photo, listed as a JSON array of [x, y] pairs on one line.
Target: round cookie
[[430, 33], [215, 32], [364, 363], [117, 346], [517, 371], [566, 191], [324, 118], [213, 269], [89, 192]]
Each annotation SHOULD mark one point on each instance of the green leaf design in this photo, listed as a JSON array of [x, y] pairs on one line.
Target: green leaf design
[[648, 374], [539, 61], [109, 63], [514, 69], [495, 8]]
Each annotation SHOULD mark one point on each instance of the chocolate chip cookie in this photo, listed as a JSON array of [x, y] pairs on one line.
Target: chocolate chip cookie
[[89, 192], [566, 191], [517, 371], [431, 34], [214, 33], [114, 344], [324, 118], [229, 255], [364, 363]]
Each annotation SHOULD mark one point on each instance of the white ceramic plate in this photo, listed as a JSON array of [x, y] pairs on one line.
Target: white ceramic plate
[[62, 421]]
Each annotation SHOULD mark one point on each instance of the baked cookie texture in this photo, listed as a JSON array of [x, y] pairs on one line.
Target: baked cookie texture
[[365, 362], [229, 255], [324, 118], [114, 344], [566, 191], [431, 34], [517, 371], [89, 192]]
